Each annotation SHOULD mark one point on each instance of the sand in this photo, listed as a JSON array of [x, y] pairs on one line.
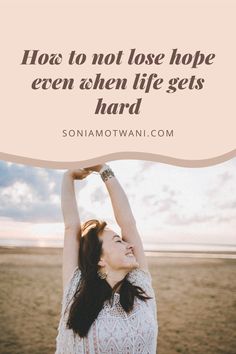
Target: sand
[[196, 302]]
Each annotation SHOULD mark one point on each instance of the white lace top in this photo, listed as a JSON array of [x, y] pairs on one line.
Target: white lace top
[[114, 331]]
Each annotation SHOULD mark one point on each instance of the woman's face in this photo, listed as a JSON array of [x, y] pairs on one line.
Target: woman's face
[[116, 253]]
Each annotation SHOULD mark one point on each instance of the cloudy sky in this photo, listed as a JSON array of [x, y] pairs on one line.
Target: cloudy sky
[[171, 204]]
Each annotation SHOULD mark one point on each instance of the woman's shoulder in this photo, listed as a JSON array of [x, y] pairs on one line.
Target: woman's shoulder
[[71, 287], [139, 273], [142, 278]]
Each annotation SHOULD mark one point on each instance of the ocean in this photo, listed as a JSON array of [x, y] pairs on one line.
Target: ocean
[[158, 249]]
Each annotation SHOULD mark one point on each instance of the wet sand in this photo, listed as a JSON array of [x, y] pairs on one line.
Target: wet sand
[[196, 302]]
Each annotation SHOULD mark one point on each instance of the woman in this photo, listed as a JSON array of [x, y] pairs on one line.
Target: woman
[[108, 303]]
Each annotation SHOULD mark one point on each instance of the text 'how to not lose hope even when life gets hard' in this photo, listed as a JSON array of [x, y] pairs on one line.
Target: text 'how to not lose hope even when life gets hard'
[[143, 82]]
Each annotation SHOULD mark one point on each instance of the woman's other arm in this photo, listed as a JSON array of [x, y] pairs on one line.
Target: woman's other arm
[[72, 225], [124, 217]]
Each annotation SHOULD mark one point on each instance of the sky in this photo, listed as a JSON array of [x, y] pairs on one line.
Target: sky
[[171, 204]]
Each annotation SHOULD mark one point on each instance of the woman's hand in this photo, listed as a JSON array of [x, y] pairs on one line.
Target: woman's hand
[[79, 173], [96, 168]]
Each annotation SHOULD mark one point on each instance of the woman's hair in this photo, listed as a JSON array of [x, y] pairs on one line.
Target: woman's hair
[[92, 291]]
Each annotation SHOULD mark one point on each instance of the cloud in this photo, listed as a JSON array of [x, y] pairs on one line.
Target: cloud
[[176, 219], [86, 215], [145, 165], [30, 193], [225, 219], [98, 195], [169, 191], [230, 204], [143, 170], [224, 177], [166, 204], [222, 181], [163, 201], [149, 200], [37, 178], [40, 213]]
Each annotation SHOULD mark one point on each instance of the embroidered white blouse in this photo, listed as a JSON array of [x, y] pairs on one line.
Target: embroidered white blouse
[[114, 331]]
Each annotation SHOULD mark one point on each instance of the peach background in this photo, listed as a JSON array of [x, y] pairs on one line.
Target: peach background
[[31, 121]]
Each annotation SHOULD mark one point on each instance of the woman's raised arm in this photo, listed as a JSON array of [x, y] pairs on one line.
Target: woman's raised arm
[[124, 216], [72, 225]]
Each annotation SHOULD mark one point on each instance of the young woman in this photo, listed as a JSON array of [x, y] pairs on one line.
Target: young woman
[[108, 303]]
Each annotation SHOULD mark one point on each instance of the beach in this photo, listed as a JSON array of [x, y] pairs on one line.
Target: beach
[[196, 300]]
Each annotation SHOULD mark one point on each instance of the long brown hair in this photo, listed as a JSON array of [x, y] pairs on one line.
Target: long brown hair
[[92, 291]]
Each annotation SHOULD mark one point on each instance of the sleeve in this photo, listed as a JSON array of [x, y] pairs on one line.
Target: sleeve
[[70, 288], [142, 278]]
